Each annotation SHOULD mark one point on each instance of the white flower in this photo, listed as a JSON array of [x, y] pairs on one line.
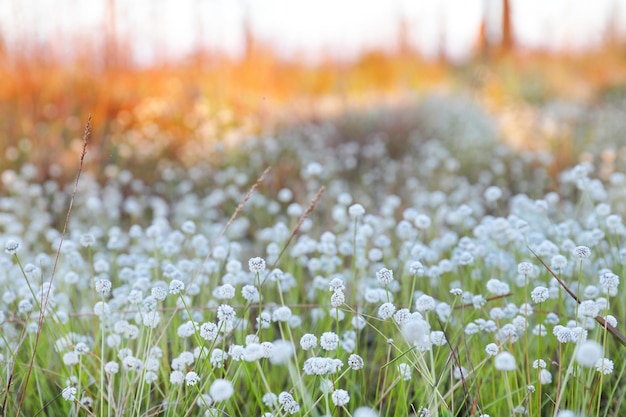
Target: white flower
[[111, 367], [308, 341], [386, 311], [288, 403], [492, 349], [545, 377], [365, 412], [340, 397], [87, 240], [221, 390], [604, 366], [256, 265], [321, 366], [356, 210], [355, 362], [540, 294], [336, 284], [505, 362], [69, 393], [11, 246], [588, 353], [250, 293], [384, 276], [329, 341], [225, 313], [337, 299], [159, 293], [70, 358], [425, 303], [405, 371], [581, 252], [282, 313], [588, 308], [176, 286], [177, 377], [416, 331], [191, 378], [525, 268], [103, 286]]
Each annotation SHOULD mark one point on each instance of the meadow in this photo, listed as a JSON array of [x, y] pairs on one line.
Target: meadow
[[399, 260]]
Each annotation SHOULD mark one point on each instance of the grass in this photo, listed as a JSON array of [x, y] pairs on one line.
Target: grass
[[406, 260]]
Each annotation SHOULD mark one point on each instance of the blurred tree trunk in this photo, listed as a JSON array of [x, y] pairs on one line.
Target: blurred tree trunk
[[507, 42], [110, 46]]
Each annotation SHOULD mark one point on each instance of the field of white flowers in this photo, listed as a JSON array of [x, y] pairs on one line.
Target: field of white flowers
[[371, 271]]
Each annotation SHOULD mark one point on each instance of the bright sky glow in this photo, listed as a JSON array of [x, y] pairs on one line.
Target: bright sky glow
[[341, 29]]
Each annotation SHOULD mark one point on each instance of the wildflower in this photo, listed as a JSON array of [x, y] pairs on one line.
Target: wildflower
[[69, 393], [337, 299], [545, 377], [308, 341], [588, 308], [221, 390], [188, 227], [288, 403], [386, 310], [539, 294], [224, 292], [282, 313], [103, 286], [581, 252], [405, 371], [191, 378], [563, 334], [281, 352], [250, 293], [422, 221], [402, 315], [384, 276], [256, 265], [225, 313], [492, 194], [604, 366], [425, 303], [525, 268], [186, 329], [336, 284], [358, 322], [270, 399], [438, 338], [492, 349], [456, 291], [111, 367], [471, 328], [321, 366], [340, 397], [25, 306], [11, 246], [505, 362], [609, 283], [329, 341], [558, 262], [218, 356], [611, 320], [176, 286], [356, 210], [70, 358], [588, 353], [87, 240], [365, 412], [177, 378], [355, 362]]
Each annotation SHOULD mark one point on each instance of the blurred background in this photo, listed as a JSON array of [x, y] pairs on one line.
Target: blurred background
[[171, 78]]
